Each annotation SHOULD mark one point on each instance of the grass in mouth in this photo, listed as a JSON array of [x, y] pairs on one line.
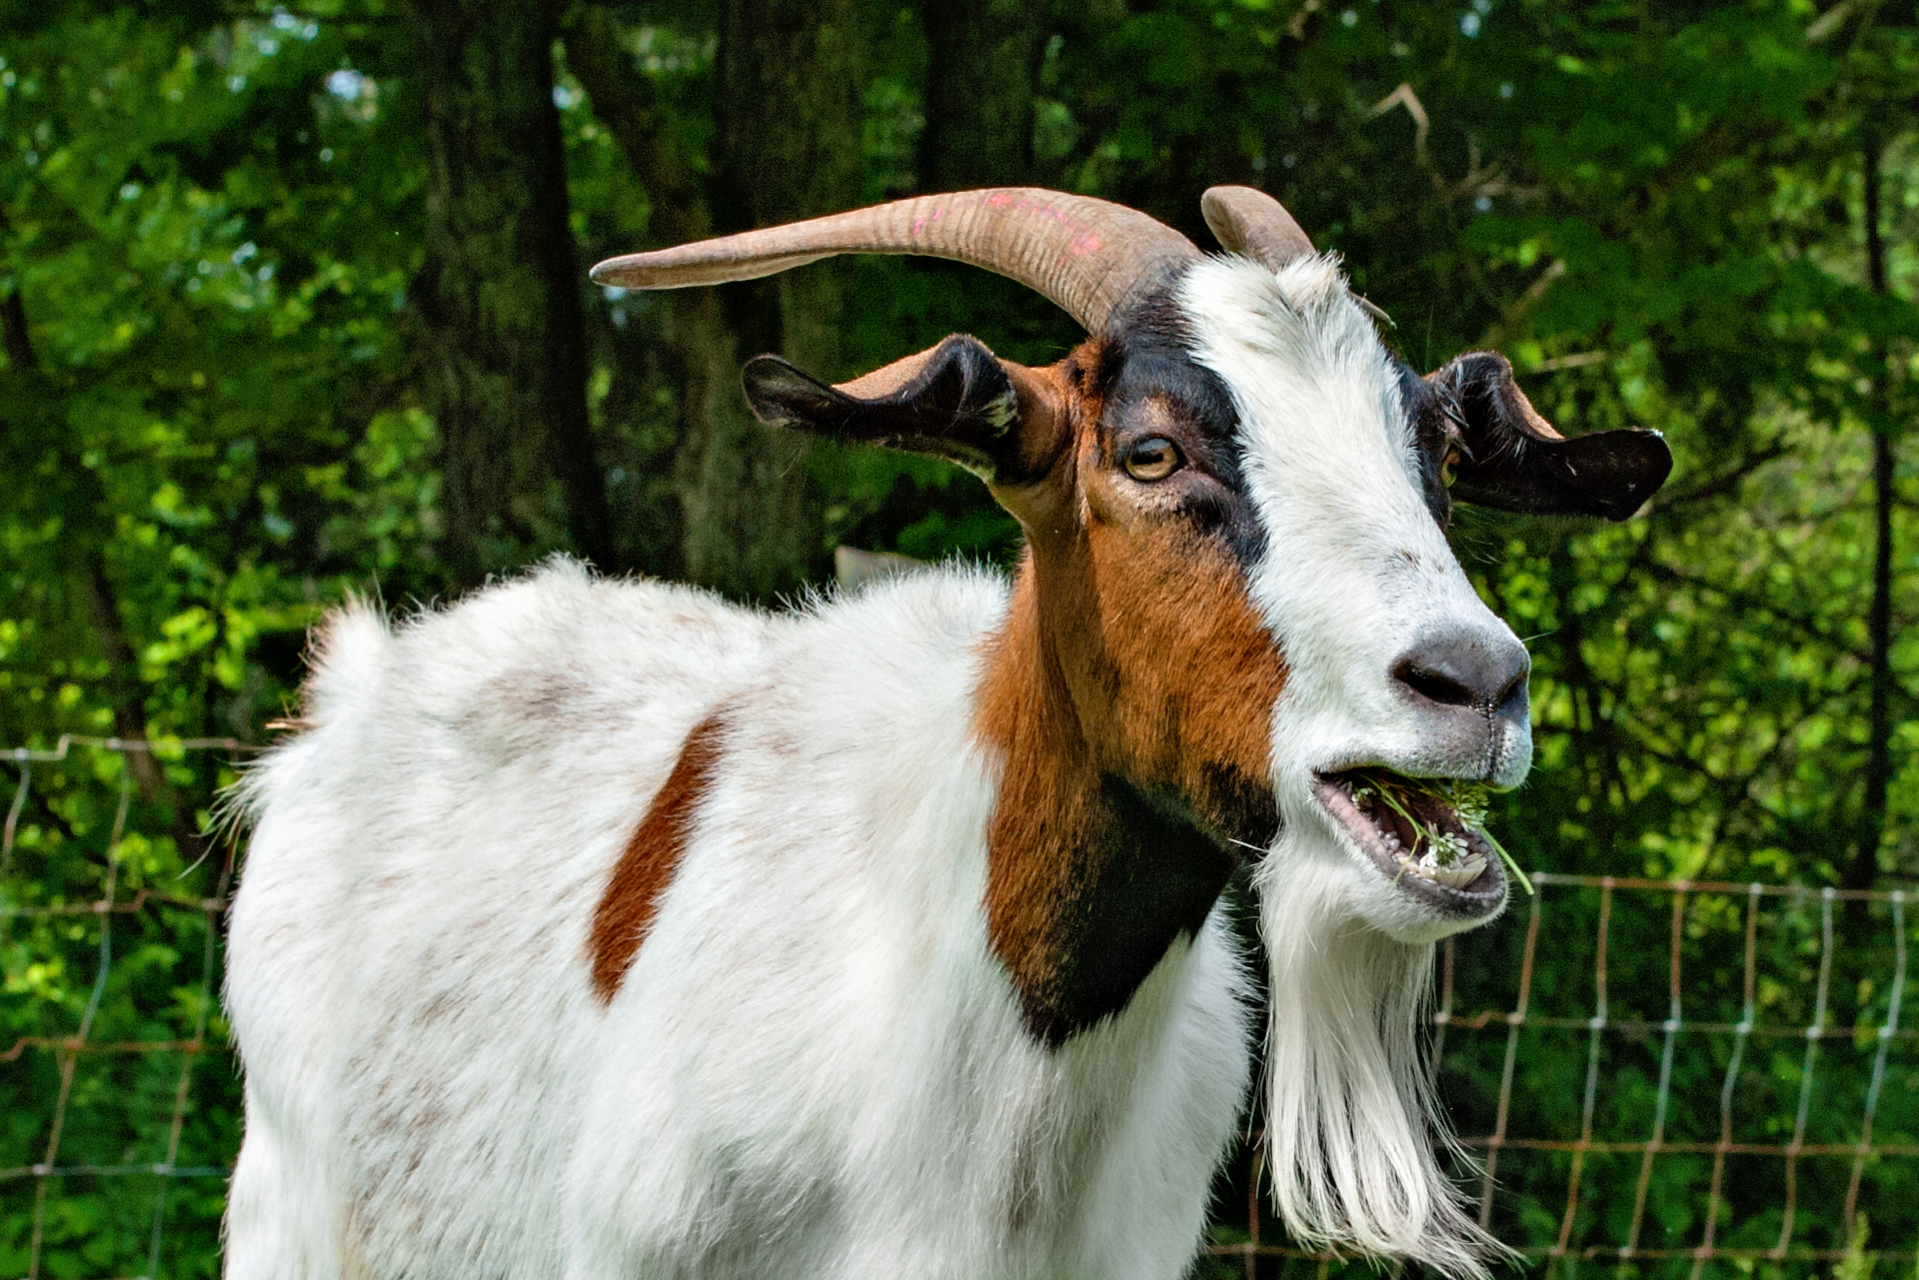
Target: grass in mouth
[[1470, 800]]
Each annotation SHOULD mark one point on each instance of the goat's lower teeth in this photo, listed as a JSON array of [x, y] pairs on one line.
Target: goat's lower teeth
[[1460, 873], [1455, 875]]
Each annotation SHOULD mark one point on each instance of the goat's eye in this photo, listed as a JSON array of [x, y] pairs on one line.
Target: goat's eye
[[1154, 458], [1449, 467]]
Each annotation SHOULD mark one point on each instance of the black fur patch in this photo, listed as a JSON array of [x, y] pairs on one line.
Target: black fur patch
[[959, 406], [1437, 427], [1153, 386], [1151, 876], [1510, 464]]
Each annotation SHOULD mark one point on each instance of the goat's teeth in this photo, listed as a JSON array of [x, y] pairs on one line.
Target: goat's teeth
[[1461, 873], [1455, 875]]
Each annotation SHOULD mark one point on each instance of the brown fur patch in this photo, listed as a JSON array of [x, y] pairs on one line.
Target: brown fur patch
[[1129, 696], [647, 864]]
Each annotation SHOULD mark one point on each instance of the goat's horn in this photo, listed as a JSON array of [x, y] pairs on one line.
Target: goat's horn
[[1089, 256], [1252, 223]]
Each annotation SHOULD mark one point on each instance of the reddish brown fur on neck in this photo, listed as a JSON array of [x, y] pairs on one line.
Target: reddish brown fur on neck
[[647, 864], [1130, 659]]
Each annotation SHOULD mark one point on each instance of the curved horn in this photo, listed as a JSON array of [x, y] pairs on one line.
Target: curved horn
[[1252, 223], [1089, 256]]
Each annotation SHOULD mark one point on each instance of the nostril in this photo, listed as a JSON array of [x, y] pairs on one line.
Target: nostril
[[1515, 690], [1433, 686], [1467, 668]]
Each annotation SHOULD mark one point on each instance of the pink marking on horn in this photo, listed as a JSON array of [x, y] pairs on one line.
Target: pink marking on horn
[[1084, 241]]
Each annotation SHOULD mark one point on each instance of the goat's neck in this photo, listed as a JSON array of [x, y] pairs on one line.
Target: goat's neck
[[1099, 854]]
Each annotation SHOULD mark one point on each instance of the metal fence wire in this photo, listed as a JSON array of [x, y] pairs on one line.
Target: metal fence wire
[[1655, 1078], [120, 1103], [1658, 1077]]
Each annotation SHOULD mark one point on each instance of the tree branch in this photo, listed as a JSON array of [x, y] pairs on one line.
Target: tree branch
[[1503, 327], [1715, 485], [1879, 769]]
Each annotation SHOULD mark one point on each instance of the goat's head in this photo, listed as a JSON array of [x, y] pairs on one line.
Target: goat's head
[[1235, 500], [1233, 452]]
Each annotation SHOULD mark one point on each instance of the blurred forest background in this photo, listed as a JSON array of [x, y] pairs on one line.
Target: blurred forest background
[[294, 306]]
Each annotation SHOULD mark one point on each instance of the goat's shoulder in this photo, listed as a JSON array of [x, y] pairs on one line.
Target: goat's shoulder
[[868, 664], [936, 614]]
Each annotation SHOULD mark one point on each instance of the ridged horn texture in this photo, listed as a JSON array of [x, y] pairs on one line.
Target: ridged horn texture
[[1253, 224], [1091, 257]]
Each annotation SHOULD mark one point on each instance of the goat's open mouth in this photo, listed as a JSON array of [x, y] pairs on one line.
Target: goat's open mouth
[[1427, 835]]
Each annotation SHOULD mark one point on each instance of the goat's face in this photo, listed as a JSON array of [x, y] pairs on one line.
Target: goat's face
[[1394, 664], [1235, 502]]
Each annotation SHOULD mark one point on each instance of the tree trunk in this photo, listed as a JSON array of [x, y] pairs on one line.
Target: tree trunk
[[983, 57], [499, 296], [788, 148], [624, 101]]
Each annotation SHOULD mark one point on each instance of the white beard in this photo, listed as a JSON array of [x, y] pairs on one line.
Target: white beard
[[1351, 1119]]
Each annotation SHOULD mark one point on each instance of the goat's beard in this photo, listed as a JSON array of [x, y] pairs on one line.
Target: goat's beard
[[1351, 1118]]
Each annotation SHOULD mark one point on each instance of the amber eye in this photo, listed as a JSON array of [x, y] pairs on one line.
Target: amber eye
[[1449, 468], [1154, 458]]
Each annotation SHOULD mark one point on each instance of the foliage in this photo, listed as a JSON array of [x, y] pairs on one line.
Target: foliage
[[215, 423]]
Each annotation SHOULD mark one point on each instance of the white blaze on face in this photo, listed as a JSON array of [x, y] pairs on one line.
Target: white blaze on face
[[1355, 574], [1355, 570]]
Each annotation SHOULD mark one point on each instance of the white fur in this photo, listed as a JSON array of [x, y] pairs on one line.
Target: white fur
[[814, 1067], [1331, 465]]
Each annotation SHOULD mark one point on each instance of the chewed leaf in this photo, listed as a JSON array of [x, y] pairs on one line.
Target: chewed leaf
[[1468, 802]]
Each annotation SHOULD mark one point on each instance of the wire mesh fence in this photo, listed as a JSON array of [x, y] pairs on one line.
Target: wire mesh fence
[[1658, 1077], [1669, 1076], [120, 1103]]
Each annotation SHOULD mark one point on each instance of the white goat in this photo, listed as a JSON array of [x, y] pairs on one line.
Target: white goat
[[597, 929]]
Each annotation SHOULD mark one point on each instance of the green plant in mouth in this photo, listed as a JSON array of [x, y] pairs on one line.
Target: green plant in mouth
[[1470, 800]]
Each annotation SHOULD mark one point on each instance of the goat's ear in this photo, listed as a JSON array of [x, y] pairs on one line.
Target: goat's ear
[[1515, 461], [957, 400]]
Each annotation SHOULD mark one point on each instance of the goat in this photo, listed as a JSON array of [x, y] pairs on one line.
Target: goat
[[596, 929]]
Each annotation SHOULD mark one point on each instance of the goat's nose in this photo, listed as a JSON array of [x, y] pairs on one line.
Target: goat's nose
[[1479, 669]]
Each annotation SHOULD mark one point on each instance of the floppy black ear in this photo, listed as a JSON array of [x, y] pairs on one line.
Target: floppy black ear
[[1515, 461], [957, 400]]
